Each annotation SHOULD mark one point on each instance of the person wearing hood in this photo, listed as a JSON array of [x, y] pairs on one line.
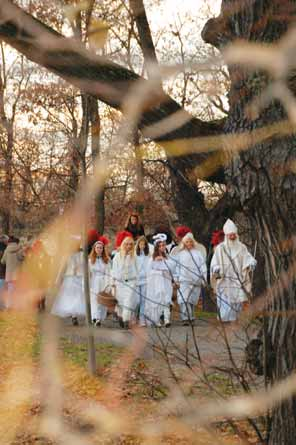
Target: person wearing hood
[[12, 259], [192, 275], [182, 231], [230, 273]]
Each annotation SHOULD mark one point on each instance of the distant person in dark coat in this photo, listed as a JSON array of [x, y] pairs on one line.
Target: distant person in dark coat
[[134, 226]]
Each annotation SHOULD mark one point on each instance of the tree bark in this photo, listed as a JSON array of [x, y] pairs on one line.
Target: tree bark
[[95, 123], [7, 149], [263, 182]]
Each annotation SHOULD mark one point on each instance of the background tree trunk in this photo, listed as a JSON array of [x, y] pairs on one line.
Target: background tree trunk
[[95, 129], [261, 179]]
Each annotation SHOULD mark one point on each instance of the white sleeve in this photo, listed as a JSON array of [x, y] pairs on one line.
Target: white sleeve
[[149, 266], [204, 271], [214, 268], [172, 266], [249, 261], [115, 268], [108, 275]]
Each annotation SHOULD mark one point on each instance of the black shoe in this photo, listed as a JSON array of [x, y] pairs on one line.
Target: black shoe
[[94, 320], [75, 321], [167, 324], [185, 323], [98, 323], [121, 324]]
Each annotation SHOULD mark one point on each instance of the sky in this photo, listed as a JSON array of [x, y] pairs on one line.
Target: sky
[[172, 8]]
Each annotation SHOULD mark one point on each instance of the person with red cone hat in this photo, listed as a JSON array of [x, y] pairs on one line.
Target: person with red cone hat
[[125, 275], [100, 277], [182, 231]]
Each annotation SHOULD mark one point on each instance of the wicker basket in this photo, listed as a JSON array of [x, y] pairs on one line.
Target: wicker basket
[[107, 298]]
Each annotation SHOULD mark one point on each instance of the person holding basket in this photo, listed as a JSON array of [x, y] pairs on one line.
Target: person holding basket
[[100, 278]]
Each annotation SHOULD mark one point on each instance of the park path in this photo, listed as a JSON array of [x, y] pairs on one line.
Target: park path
[[207, 340]]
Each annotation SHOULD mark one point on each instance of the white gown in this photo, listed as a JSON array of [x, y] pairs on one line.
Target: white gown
[[100, 277], [233, 282], [70, 299], [159, 290], [192, 274], [142, 267], [125, 274]]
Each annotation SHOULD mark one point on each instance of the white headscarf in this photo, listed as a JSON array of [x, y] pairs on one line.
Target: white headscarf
[[202, 250], [160, 237]]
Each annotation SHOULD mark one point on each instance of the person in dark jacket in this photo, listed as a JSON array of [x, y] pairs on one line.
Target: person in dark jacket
[[134, 226]]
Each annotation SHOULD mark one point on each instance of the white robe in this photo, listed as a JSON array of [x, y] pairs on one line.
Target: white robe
[[159, 289], [70, 300], [142, 268], [100, 277], [191, 274], [125, 274], [230, 275]]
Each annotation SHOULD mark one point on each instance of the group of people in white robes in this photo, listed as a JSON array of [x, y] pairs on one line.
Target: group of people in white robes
[[144, 276]]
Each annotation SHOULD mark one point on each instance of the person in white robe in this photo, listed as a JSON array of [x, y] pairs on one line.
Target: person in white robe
[[125, 274], [230, 273], [100, 278], [182, 231], [161, 270], [70, 301], [191, 276], [142, 257]]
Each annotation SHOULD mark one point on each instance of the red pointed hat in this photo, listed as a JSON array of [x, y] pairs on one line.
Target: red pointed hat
[[181, 231], [217, 237], [92, 236], [121, 236], [103, 239]]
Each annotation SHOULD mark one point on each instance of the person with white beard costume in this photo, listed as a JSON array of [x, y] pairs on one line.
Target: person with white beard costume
[[191, 275], [160, 273], [230, 271], [125, 278]]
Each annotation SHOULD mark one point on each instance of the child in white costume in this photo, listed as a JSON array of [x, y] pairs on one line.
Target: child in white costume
[[125, 274], [159, 284], [142, 257], [70, 300], [100, 277], [192, 275], [230, 272]]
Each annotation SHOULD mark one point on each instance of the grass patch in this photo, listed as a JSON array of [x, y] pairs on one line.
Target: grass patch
[[77, 353], [205, 315]]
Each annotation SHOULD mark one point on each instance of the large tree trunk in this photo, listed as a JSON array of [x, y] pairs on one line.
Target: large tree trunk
[[262, 179], [7, 148], [95, 130]]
